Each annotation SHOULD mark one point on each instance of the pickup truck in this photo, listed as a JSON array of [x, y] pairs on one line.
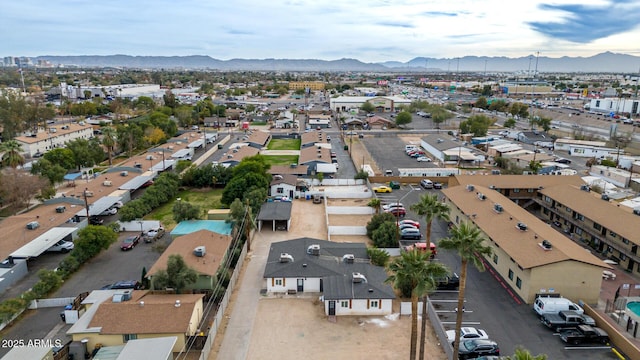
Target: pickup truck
[[566, 319], [584, 334]]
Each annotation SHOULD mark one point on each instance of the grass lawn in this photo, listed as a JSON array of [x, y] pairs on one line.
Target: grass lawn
[[206, 199], [281, 159], [284, 144]]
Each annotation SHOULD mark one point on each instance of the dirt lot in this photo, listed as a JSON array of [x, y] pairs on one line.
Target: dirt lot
[[306, 333], [348, 220], [348, 202], [352, 238]]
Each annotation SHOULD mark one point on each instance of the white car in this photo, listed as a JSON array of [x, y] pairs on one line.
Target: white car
[[423, 159], [118, 205], [391, 206], [467, 333], [111, 211]]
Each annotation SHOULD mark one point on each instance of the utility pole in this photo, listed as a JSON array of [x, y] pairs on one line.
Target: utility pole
[[86, 203]]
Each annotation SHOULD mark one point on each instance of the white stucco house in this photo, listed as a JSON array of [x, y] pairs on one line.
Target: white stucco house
[[341, 272], [54, 137]]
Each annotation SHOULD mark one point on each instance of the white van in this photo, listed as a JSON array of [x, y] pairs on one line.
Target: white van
[[553, 305]]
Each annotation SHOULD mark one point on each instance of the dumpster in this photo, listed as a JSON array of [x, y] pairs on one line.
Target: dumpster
[[346, 147], [219, 146]]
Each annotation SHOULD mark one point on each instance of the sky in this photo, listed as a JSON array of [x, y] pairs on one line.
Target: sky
[[370, 31]]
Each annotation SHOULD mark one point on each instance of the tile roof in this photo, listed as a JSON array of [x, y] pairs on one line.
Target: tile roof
[[287, 169], [608, 214], [259, 137], [515, 181], [312, 137], [313, 153], [522, 246], [158, 315], [216, 247], [286, 179]]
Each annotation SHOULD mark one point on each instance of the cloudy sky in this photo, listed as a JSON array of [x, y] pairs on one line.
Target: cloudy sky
[[370, 31]]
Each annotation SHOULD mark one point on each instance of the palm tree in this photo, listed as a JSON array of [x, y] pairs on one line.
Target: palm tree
[[12, 156], [430, 208], [376, 204], [524, 354], [467, 240], [109, 140], [413, 271]]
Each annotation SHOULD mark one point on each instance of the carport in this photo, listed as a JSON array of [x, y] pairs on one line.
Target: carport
[[99, 206], [278, 213], [43, 242], [136, 182], [326, 168]]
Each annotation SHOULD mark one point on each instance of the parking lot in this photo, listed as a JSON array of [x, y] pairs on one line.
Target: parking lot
[[109, 266], [489, 304]]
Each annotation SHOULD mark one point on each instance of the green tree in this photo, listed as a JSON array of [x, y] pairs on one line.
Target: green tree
[[510, 123], [378, 257], [91, 240], [250, 173], [361, 175], [12, 156], [13, 112], [544, 123], [403, 118], [367, 107], [429, 207], [170, 99], [375, 203], [377, 220], [53, 172], [413, 269], [466, 239], [109, 137], [61, 156], [86, 153], [183, 210], [534, 166], [478, 125], [482, 103], [524, 354], [386, 235], [178, 275]]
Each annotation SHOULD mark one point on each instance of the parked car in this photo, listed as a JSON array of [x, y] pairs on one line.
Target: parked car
[[471, 349], [410, 234], [451, 282], [584, 334], [437, 185], [412, 222], [394, 185], [382, 189], [153, 234], [467, 333], [130, 242], [95, 220], [398, 212], [423, 159], [566, 319], [407, 226], [563, 161], [392, 206], [62, 246], [123, 285], [110, 211], [118, 205], [426, 184]]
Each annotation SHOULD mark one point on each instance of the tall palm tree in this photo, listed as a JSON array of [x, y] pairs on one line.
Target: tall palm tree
[[376, 204], [524, 354], [109, 137], [430, 208], [12, 156], [413, 271], [467, 240]]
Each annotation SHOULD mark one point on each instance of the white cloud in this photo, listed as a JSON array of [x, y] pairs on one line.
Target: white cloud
[[370, 31]]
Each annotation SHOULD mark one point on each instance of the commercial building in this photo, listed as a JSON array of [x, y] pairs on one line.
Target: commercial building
[[36, 143]]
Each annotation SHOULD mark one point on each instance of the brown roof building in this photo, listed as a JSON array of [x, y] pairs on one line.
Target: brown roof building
[[530, 255], [310, 138], [298, 170], [605, 226], [214, 250], [55, 137], [234, 156], [258, 138], [144, 315]]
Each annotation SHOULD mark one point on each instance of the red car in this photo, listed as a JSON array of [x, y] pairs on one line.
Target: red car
[[130, 242], [410, 222], [397, 211]]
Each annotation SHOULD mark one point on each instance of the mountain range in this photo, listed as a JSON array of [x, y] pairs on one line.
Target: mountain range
[[607, 62]]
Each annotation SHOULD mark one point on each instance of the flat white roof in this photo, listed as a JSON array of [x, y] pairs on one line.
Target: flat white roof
[[43, 242], [136, 182], [101, 204], [28, 352], [153, 348]]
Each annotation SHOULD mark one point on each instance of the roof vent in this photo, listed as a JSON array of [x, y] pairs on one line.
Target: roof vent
[[313, 249], [481, 196], [470, 187], [636, 211], [546, 245], [521, 226], [121, 296], [585, 188], [177, 304], [141, 303], [348, 258], [359, 278], [493, 187], [304, 265], [200, 251], [370, 290], [498, 208], [285, 258]]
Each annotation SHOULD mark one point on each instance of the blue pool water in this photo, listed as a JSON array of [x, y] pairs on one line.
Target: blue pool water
[[635, 307], [188, 227]]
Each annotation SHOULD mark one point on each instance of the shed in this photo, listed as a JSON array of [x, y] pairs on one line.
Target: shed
[[278, 213]]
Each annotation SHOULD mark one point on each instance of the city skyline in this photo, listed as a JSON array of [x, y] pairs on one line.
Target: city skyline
[[370, 31]]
